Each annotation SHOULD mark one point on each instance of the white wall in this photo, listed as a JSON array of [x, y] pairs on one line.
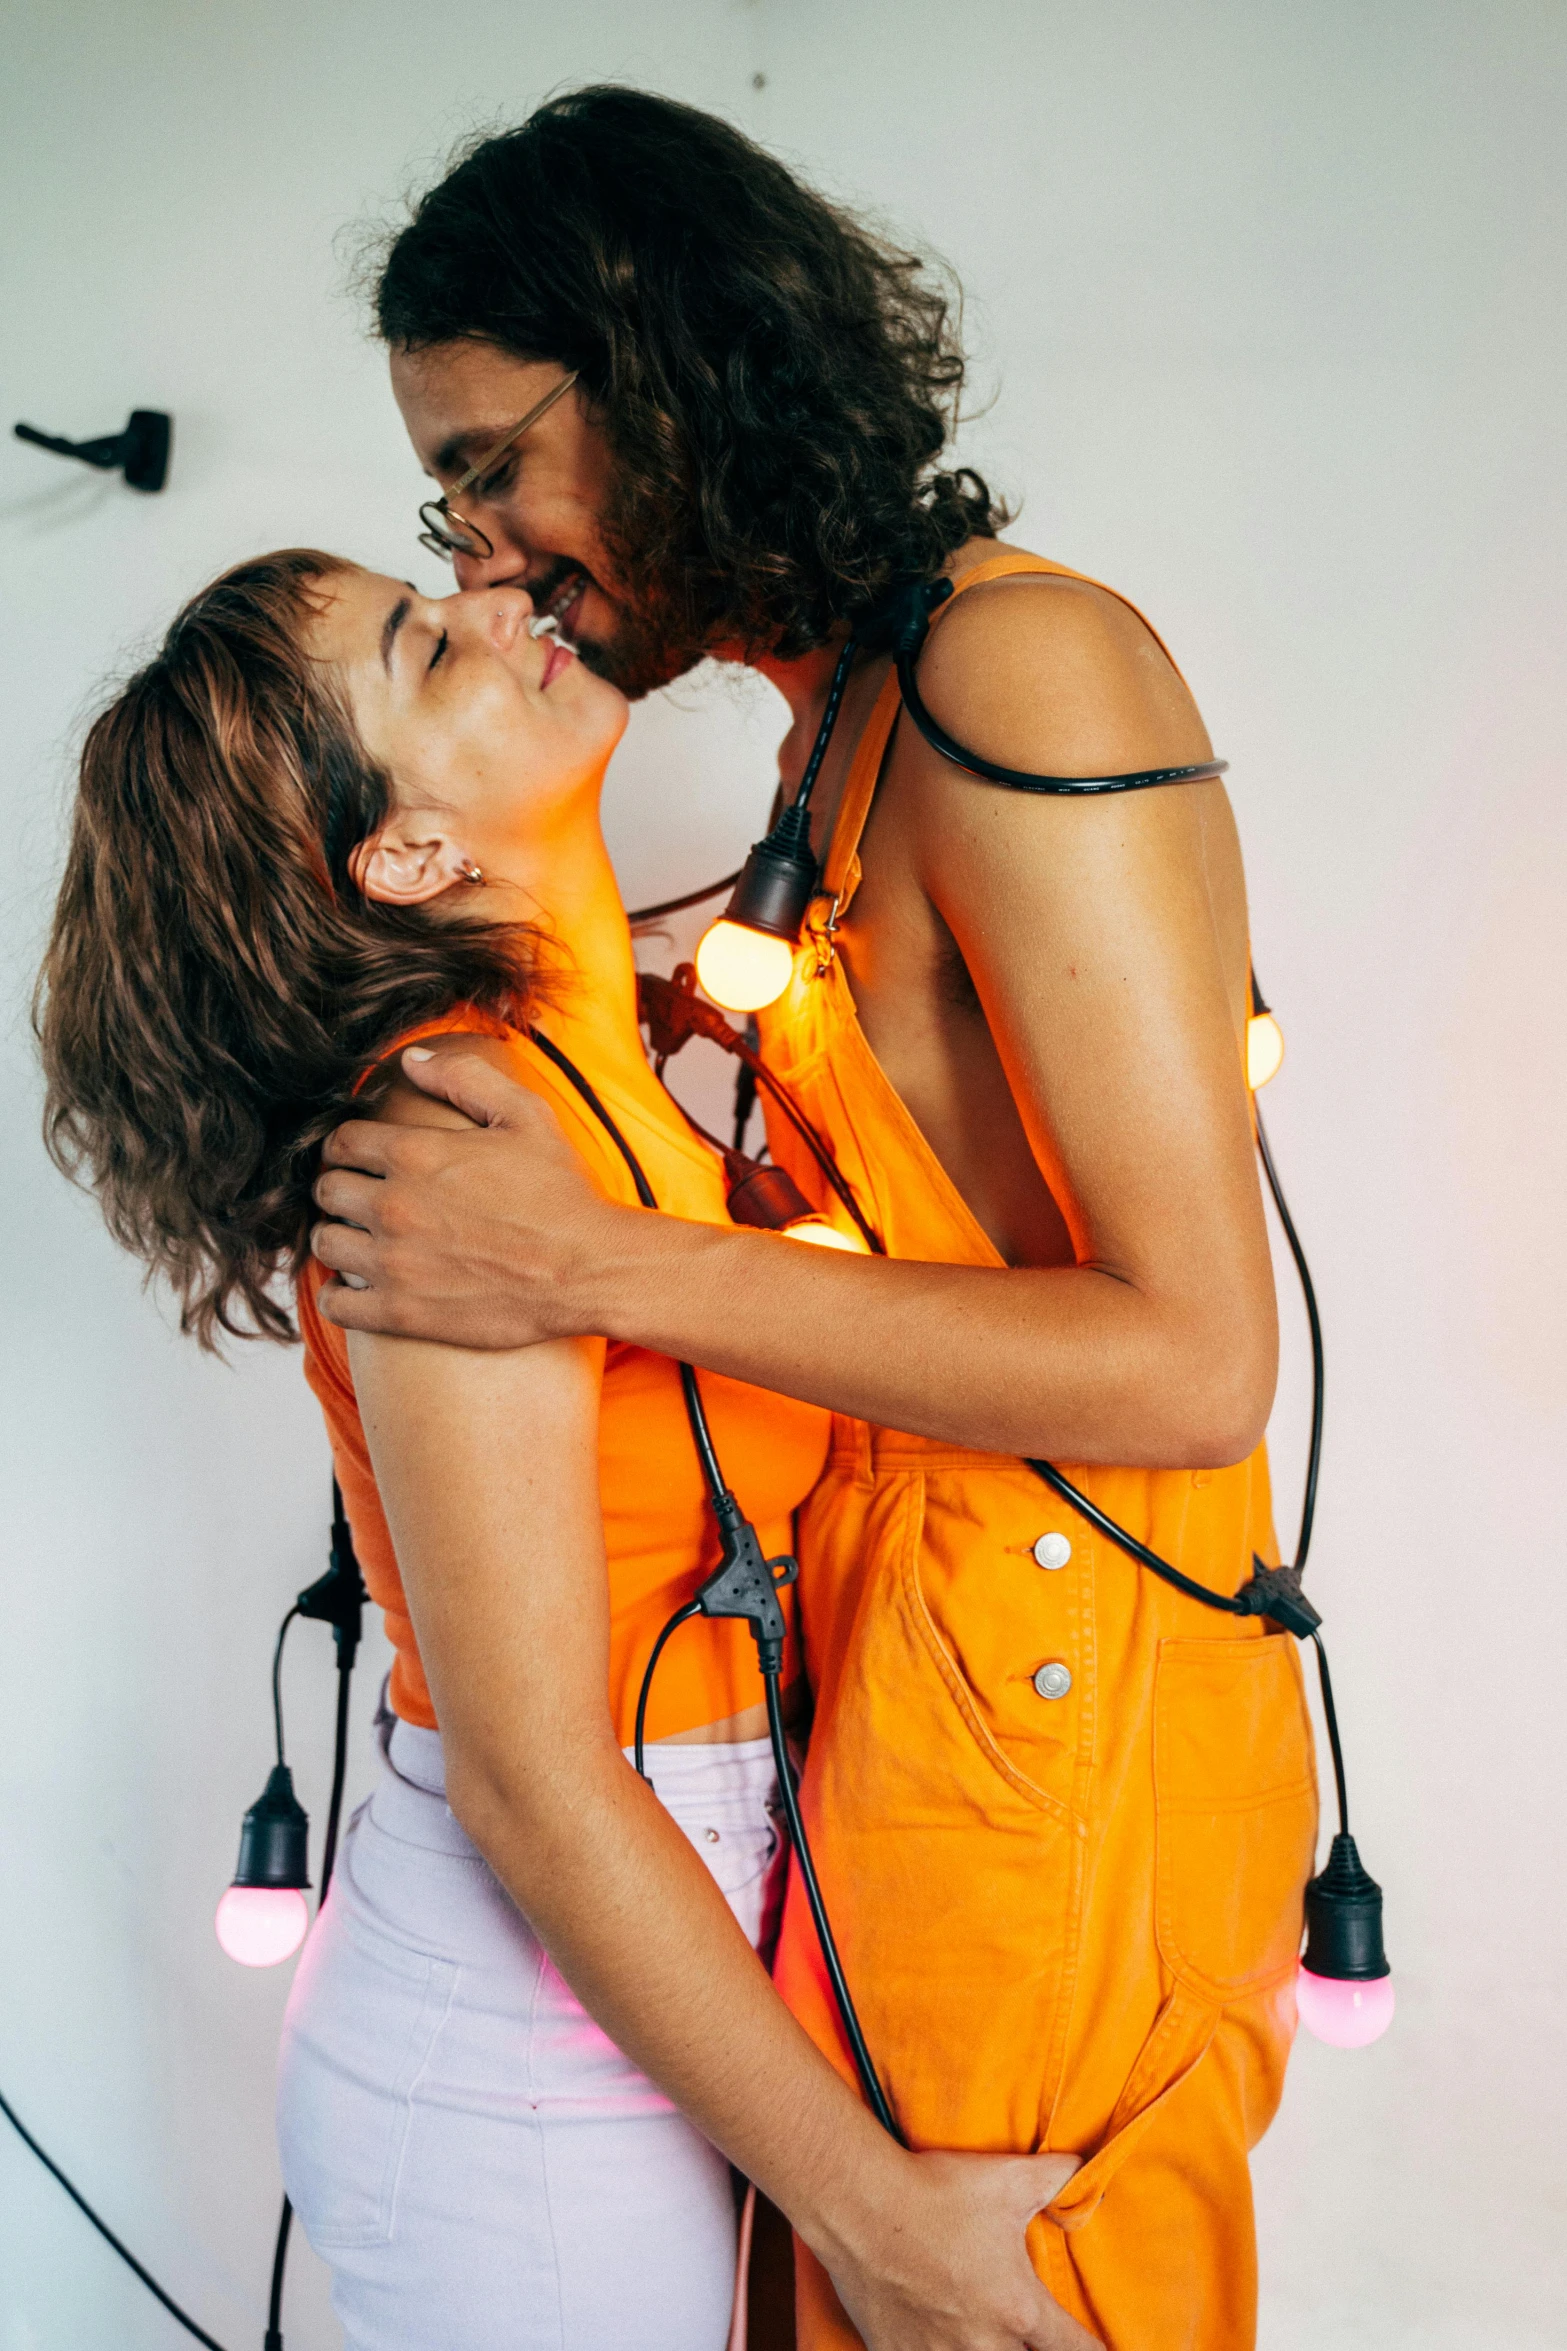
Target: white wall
[[1270, 299]]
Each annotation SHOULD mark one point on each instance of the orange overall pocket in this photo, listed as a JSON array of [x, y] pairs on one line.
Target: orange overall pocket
[[1236, 1798], [1236, 1823]]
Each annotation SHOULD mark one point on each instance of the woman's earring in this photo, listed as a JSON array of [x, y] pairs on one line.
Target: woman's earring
[[471, 873]]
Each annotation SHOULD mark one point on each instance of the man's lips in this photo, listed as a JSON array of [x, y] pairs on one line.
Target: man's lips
[[562, 606]]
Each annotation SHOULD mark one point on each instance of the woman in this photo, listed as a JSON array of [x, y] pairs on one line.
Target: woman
[[331, 817]]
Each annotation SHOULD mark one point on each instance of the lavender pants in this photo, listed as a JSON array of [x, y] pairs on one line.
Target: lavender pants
[[478, 2164]]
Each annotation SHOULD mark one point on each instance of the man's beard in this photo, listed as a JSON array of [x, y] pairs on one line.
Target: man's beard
[[648, 649]]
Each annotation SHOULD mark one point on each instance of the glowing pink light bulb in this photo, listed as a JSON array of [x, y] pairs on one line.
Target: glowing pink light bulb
[[263, 1916], [1344, 2013], [261, 1926]]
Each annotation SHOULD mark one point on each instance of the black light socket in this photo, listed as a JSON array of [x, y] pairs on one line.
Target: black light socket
[[1344, 1918], [766, 1198], [778, 880], [274, 1842]]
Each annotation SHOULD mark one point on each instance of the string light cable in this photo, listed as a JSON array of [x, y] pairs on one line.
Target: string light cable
[[336, 1598], [745, 1585]]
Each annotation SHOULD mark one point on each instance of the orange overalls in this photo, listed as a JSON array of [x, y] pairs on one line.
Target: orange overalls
[[1068, 1901]]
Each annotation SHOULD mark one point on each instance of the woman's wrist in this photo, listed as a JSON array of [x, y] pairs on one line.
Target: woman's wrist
[[852, 2216]]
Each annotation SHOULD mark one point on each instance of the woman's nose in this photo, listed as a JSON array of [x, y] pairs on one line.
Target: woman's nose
[[501, 614]]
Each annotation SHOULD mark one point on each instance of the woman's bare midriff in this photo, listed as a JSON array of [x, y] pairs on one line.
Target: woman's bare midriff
[[749, 1723]]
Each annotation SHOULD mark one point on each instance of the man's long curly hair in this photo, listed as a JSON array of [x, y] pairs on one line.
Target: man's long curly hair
[[777, 383], [216, 988]]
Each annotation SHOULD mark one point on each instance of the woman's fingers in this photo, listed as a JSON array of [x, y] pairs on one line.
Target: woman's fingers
[[952, 2272], [1055, 2331], [1041, 2179]]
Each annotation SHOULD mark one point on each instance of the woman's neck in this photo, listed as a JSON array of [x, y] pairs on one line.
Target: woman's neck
[[563, 884]]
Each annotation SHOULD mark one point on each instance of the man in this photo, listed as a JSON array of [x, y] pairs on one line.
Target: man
[[1063, 1815]]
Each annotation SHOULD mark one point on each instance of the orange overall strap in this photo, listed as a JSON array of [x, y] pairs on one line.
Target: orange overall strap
[[841, 872]]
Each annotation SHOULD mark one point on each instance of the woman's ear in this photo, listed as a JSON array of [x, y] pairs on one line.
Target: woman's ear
[[406, 865]]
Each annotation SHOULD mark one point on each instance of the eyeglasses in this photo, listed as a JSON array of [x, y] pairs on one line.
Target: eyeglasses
[[449, 534]]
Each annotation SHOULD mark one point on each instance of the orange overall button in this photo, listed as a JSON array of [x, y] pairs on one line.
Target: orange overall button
[[1053, 1550], [1053, 1681]]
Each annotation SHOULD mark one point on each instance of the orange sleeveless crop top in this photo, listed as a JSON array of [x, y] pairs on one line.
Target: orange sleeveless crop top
[[658, 1531]]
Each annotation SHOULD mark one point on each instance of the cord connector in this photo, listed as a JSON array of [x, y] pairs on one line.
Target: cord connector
[[744, 1584], [1276, 1592], [338, 1597]]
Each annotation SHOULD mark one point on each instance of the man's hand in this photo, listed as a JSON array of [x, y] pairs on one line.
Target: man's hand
[[953, 2272], [475, 1235]]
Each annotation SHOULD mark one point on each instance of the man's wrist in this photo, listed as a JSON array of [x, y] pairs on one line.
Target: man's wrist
[[629, 1279]]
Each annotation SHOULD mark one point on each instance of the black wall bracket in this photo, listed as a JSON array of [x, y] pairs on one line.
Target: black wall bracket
[[141, 452]]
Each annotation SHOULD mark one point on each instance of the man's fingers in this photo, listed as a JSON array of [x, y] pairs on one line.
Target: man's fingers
[[345, 1249], [470, 1083], [357, 1310], [362, 1142], [347, 1194]]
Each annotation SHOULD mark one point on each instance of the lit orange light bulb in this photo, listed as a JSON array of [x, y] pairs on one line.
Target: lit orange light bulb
[[743, 969], [823, 1235], [1264, 1049]]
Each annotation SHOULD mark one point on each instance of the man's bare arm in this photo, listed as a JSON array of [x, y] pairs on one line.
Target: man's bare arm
[[1089, 931]]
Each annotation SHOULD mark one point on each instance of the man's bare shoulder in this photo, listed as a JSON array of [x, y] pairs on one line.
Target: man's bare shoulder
[[1058, 676]]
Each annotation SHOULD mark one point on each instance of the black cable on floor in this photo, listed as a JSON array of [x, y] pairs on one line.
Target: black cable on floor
[[104, 2230]]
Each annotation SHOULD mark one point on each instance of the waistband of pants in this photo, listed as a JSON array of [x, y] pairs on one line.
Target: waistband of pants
[[731, 1767]]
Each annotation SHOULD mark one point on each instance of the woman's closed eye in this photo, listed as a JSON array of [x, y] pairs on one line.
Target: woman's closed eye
[[439, 655]]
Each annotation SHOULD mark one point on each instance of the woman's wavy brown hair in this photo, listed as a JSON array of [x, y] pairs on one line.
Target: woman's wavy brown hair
[[215, 987], [777, 382]]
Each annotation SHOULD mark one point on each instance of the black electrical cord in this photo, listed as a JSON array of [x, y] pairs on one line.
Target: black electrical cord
[[870, 2080], [1330, 1713], [639, 1743], [642, 914], [732, 1522], [1015, 779], [813, 1143], [104, 2231], [1308, 1506], [277, 1680], [338, 1599], [273, 2338], [343, 1613], [745, 1087], [824, 733]]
